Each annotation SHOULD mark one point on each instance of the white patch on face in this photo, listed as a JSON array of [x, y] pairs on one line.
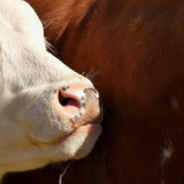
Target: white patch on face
[[162, 182], [174, 103], [30, 76]]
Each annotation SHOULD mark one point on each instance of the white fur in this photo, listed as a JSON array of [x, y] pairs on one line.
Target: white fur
[[29, 126]]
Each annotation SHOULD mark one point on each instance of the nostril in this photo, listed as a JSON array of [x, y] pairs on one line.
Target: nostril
[[71, 105], [62, 100], [65, 101]]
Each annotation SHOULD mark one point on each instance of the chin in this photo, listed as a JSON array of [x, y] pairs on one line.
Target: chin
[[78, 144]]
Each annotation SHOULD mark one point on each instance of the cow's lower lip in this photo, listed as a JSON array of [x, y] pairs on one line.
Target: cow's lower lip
[[89, 128]]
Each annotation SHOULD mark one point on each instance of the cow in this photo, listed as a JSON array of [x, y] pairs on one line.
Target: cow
[[138, 48], [48, 112]]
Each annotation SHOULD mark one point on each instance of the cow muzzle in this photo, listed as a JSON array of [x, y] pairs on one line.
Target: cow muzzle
[[78, 106], [68, 109]]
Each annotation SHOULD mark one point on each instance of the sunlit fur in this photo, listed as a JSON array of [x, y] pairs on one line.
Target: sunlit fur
[[29, 75]]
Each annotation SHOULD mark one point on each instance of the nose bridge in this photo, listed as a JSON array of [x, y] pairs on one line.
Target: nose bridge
[[80, 82]]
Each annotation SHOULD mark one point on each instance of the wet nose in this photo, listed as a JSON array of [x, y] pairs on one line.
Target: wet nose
[[70, 101], [74, 103]]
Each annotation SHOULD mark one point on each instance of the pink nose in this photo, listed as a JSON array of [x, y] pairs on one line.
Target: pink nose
[[70, 101], [78, 104]]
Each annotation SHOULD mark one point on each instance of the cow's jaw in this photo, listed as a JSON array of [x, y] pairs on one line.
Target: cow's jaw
[[48, 112]]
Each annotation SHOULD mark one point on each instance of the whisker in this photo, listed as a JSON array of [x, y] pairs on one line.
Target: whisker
[[50, 47], [61, 175], [91, 75], [47, 23]]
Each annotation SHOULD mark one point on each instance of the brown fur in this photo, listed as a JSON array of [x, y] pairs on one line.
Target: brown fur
[[138, 47]]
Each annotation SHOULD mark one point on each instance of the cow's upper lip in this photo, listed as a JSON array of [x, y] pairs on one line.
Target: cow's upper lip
[[89, 125], [85, 124], [88, 128], [96, 122]]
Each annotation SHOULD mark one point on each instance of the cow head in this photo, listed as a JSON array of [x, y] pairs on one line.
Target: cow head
[[48, 112]]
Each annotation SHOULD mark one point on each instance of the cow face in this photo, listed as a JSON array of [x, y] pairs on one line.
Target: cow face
[[48, 112]]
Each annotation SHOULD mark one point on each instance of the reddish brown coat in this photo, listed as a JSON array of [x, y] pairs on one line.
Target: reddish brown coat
[[138, 47]]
